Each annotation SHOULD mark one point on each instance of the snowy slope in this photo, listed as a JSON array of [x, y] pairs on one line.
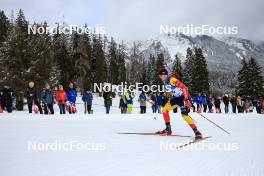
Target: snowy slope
[[176, 44], [129, 155], [222, 53]]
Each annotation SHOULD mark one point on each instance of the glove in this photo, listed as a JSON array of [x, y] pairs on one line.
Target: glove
[[188, 104], [168, 94]]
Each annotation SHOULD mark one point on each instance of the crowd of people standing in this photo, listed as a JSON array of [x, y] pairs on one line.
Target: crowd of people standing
[[206, 103], [43, 101]]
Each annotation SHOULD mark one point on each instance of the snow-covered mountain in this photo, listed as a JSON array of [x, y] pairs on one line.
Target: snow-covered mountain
[[223, 54]]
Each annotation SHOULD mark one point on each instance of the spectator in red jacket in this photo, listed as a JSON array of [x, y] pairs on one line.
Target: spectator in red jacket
[[262, 107], [61, 98]]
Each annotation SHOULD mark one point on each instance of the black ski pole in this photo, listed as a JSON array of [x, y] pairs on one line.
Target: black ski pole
[[214, 123]]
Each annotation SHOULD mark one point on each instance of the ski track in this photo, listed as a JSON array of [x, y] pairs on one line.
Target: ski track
[[128, 154]]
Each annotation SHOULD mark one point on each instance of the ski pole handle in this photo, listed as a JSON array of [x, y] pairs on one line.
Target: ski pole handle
[[167, 67]]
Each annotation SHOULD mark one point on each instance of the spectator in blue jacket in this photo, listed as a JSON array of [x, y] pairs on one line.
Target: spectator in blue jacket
[[199, 102], [71, 97], [47, 99], [159, 101], [87, 98], [192, 102], [258, 107], [204, 102], [153, 99]]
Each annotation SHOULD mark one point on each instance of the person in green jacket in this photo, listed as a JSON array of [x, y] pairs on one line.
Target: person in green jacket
[[129, 100]]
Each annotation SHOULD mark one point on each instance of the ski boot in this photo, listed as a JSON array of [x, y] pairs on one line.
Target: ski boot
[[198, 135], [166, 131]]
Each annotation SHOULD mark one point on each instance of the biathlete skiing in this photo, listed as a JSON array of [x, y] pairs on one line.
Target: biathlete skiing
[[178, 96]]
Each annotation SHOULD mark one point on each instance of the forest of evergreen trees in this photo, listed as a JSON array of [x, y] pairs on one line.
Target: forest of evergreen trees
[[89, 58], [57, 59]]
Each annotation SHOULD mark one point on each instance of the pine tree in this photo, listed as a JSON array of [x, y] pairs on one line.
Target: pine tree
[[200, 73], [15, 53], [75, 54], [189, 69], [135, 66], [41, 54], [121, 63], [26, 57], [159, 66], [177, 68], [4, 26], [243, 79], [257, 84], [63, 58], [151, 70], [99, 67], [83, 68], [250, 80], [113, 62], [144, 78]]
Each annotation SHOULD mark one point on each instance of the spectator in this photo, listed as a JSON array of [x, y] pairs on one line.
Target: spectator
[[7, 97], [199, 102], [210, 104], [47, 100], [153, 99], [61, 99], [122, 104], [192, 103], [226, 103], [233, 103], [32, 97], [262, 107], [251, 106], [239, 104], [87, 98], [142, 101], [107, 100], [217, 104], [258, 107], [129, 100], [246, 106], [242, 105], [71, 97], [204, 102], [159, 101]]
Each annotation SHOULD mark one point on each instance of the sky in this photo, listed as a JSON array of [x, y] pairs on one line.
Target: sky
[[131, 20]]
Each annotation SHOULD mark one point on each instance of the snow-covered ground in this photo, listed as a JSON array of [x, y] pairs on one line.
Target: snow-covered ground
[[108, 153]]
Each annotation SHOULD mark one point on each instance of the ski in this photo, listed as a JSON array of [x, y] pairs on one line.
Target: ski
[[154, 134], [193, 142]]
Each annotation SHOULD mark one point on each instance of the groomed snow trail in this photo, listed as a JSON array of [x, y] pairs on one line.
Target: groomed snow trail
[[240, 153]]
